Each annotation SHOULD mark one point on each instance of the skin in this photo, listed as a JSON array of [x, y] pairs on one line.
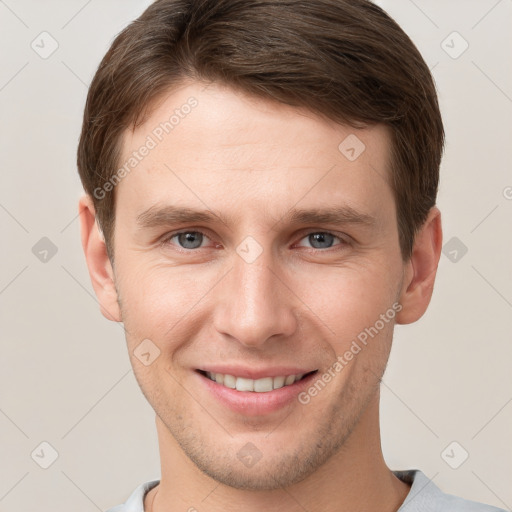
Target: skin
[[297, 304]]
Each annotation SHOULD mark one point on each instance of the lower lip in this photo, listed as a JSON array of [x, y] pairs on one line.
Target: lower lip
[[251, 403]]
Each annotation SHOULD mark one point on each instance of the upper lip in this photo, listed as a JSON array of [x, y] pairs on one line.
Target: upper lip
[[255, 373]]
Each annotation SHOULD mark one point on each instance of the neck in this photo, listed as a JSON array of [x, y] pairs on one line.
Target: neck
[[354, 478]]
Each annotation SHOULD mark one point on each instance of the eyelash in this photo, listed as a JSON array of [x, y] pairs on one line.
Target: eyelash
[[166, 240]]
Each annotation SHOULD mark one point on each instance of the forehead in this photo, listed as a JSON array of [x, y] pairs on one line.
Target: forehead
[[225, 148]]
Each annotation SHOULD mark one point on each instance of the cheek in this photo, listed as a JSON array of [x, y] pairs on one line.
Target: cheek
[[350, 299], [154, 298]]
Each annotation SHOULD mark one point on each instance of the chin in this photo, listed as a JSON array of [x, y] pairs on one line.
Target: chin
[[263, 476], [272, 464]]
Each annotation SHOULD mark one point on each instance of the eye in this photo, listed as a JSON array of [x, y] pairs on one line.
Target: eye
[[321, 240], [187, 239], [190, 240]]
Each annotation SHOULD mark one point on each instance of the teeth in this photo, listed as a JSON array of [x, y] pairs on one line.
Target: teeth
[[229, 381], [279, 382], [265, 384], [289, 380], [259, 386], [244, 384]]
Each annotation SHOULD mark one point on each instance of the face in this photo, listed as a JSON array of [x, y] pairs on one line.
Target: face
[[249, 248]]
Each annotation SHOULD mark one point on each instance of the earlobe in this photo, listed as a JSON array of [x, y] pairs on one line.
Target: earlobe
[[420, 271], [98, 262]]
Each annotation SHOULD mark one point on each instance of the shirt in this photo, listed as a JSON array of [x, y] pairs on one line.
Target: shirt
[[424, 496]]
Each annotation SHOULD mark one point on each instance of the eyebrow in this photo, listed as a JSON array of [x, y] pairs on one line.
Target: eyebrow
[[157, 216]]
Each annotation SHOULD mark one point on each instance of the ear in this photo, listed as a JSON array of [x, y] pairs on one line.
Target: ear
[[98, 262], [420, 270]]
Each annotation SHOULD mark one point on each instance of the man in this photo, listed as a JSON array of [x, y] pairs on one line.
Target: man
[[261, 179]]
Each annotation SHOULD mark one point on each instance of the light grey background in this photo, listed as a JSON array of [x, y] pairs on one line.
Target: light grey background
[[65, 377]]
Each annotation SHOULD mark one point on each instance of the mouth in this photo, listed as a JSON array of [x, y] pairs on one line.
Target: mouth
[[262, 385], [267, 392]]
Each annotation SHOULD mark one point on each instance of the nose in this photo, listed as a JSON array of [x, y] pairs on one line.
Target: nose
[[255, 304]]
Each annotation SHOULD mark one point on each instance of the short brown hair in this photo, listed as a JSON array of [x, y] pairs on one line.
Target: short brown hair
[[343, 59]]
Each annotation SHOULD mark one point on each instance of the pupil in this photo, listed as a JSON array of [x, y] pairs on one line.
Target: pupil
[[322, 238], [190, 240]]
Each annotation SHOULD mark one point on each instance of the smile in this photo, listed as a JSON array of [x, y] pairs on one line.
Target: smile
[[263, 385]]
